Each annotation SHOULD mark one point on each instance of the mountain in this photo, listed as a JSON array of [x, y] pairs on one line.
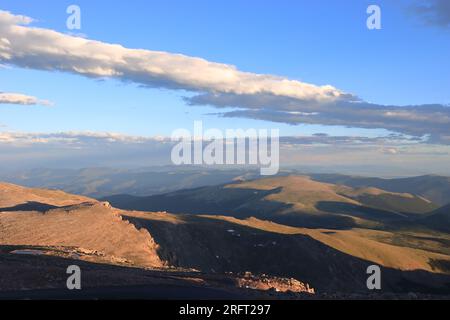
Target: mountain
[[13, 196], [329, 260], [105, 182], [44, 231], [439, 219], [432, 187], [291, 200], [101, 182], [41, 217], [211, 255]]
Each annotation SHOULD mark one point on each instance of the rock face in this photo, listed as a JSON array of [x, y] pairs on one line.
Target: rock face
[[76, 224], [264, 282]]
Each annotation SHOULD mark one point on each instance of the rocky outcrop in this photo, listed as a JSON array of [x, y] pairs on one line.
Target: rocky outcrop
[[265, 282], [95, 229]]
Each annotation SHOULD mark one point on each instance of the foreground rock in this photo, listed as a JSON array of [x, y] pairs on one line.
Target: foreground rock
[[265, 282], [97, 231]]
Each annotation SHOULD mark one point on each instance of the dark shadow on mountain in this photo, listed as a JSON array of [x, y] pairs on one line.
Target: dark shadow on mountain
[[441, 264], [235, 202], [438, 220], [212, 245], [44, 277], [314, 221], [358, 211], [216, 200], [30, 206]]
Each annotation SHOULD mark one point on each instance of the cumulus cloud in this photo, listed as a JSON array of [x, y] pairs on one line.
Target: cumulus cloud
[[49, 50], [22, 99], [256, 96], [434, 12]]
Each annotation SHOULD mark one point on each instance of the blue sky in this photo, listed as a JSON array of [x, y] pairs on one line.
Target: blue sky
[[319, 42], [304, 67]]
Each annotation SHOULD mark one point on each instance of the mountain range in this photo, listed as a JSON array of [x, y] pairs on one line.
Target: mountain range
[[292, 200], [324, 235], [103, 182]]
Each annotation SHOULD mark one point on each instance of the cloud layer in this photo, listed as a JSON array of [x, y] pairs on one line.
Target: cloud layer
[[22, 99], [74, 139], [434, 12], [89, 139], [393, 155], [256, 96], [418, 120]]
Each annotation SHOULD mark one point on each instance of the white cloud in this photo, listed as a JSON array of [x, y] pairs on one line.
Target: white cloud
[[77, 139], [256, 96], [22, 99], [46, 49]]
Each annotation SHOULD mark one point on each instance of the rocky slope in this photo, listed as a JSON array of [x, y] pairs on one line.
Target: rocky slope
[[42, 227], [53, 218]]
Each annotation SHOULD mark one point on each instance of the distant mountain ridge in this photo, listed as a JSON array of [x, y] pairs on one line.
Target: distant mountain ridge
[[103, 182], [292, 200], [432, 187]]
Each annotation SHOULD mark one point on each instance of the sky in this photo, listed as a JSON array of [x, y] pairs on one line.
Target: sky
[[303, 67]]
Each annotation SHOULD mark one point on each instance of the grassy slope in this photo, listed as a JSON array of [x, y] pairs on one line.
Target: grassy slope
[[292, 200], [432, 187]]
